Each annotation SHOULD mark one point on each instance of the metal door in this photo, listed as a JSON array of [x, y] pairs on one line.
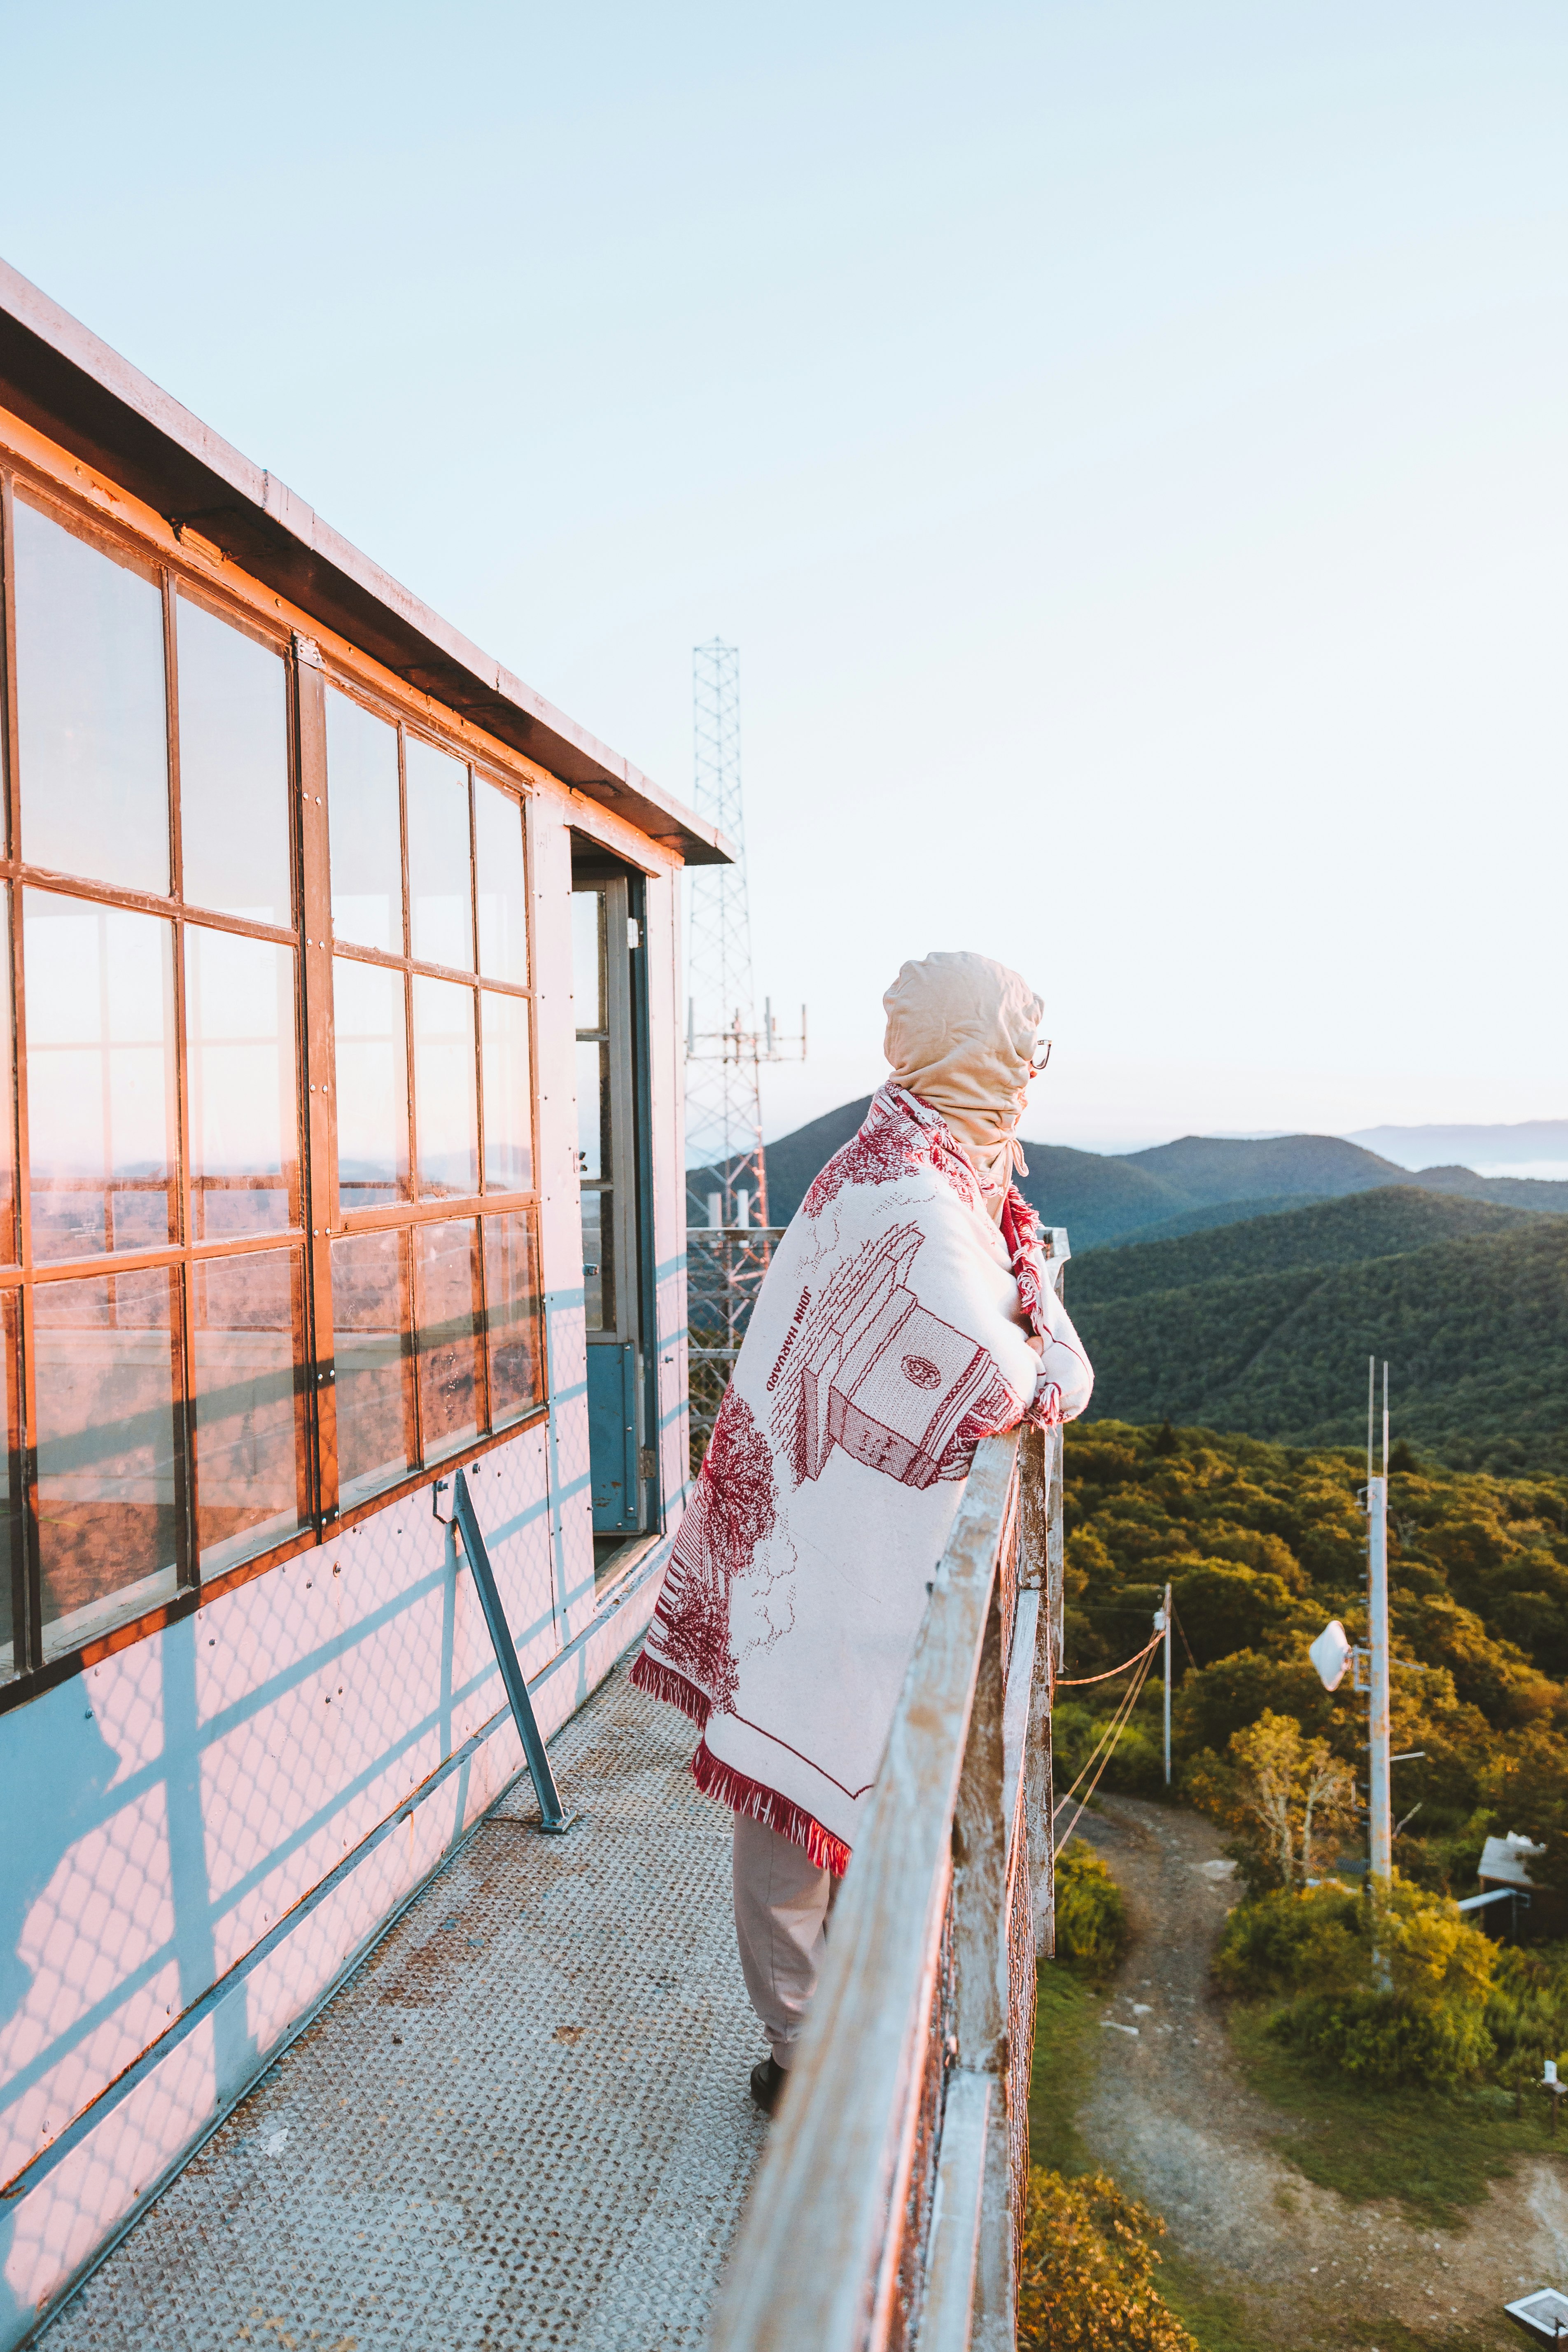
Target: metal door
[[607, 1175]]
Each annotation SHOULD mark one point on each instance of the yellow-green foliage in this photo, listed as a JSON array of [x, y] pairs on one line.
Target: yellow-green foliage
[[1088, 2273], [1395, 1988], [1091, 1912], [1527, 2011], [1262, 1545]]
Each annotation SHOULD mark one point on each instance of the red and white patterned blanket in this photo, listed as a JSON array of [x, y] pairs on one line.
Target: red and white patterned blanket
[[891, 1334]]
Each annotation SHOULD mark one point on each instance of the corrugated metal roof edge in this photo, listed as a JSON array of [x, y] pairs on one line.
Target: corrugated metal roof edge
[[63, 381]]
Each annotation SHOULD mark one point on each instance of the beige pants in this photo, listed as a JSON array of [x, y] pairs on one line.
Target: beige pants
[[782, 1903]]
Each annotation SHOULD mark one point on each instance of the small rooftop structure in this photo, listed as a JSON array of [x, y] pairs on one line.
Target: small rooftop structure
[[1504, 1860]]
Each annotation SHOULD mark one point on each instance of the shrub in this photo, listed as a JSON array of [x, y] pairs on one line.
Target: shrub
[[1088, 2270], [1527, 2010], [1415, 2008], [1386, 2038], [1091, 1912], [1136, 1765], [1287, 1941]]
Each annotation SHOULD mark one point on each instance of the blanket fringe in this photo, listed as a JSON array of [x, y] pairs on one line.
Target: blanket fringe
[[659, 1681], [760, 1803]]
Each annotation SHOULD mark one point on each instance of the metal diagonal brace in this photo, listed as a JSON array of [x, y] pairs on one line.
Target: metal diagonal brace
[[552, 1816]]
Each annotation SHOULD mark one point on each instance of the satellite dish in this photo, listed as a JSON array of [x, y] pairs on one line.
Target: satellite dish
[[1330, 1654]]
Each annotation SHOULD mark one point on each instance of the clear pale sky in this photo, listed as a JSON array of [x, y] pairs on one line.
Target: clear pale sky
[[1126, 440]]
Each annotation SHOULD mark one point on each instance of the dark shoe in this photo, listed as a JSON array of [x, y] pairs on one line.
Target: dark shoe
[[768, 2080]]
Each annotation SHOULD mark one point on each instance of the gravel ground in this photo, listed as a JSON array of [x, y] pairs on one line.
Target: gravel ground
[[1172, 2116]]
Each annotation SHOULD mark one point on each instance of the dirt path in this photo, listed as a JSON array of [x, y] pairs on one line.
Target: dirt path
[[1171, 2114]]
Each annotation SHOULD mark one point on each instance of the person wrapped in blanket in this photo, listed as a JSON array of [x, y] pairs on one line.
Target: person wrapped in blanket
[[905, 1314]]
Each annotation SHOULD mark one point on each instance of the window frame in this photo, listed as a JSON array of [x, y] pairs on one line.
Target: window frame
[[307, 674]]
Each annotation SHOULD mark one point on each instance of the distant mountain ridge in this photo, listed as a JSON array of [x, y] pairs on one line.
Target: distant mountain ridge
[[1525, 1139], [1265, 1326], [1173, 1188]]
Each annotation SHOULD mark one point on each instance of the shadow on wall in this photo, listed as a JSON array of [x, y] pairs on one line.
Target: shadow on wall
[[164, 1806], [76, 1765]]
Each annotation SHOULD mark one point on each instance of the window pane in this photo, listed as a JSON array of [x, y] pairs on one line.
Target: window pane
[[444, 1113], [244, 1111], [372, 1044], [440, 880], [502, 890], [447, 1273], [593, 1106], [109, 1451], [517, 1361], [8, 1248], [364, 833], [588, 958], [371, 1336], [598, 1261], [11, 1548], [509, 1149], [233, 769], [251, 1488], [90, 699], [101, 1077]]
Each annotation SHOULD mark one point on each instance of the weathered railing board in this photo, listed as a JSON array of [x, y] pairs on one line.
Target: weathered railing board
[[955, 2221], [811, 2266]]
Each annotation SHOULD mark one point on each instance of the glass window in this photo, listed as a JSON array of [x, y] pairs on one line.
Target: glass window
[[371, 1325], [11, 1549], [7, 1092], [593, 1105], [252, 1485], [372, 1064], [444, 1112], [511, 1286], [106, 1357], [588, 958], [244, 1100], [598, 1261], [91, 709], [440, 876], [101, 1077], [501, 885], [234, 770], [448, 1314], [364, 831], [509, 1121]]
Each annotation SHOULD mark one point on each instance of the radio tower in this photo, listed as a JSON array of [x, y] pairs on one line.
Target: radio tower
[[728, 1236]]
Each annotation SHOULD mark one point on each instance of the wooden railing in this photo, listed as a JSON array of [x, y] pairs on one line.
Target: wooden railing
[[887, 2210]]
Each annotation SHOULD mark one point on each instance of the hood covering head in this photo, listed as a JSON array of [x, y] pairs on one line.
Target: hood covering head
[[961, 1036]]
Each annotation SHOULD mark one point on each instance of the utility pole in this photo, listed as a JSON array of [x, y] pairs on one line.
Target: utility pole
[[1165, 1616], [1379, 1791]]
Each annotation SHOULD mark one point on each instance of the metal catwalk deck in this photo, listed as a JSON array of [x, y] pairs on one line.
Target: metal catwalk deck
[[524, 2122]]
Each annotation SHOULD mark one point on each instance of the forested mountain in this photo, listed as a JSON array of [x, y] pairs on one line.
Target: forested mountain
[[1267, 1326], [1364, 1225], [1174, 1188]]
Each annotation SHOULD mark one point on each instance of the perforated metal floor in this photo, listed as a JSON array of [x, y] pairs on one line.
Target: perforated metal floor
[[525, 2122]]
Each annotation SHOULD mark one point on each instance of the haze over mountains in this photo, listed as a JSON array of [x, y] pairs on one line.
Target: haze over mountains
[[1542, 1139], [1242, 1283]]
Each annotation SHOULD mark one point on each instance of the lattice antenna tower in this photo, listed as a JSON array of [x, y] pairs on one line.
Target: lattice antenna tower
[[723, 1111], [729, 1241]]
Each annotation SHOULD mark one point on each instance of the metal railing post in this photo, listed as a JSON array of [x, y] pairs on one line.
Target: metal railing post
[[553, 1815]]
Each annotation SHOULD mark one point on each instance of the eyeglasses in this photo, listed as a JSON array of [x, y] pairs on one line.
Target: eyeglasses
[[1041, 1056]]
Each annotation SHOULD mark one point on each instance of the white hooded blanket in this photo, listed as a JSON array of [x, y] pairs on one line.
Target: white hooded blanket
[[891, 1334]]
